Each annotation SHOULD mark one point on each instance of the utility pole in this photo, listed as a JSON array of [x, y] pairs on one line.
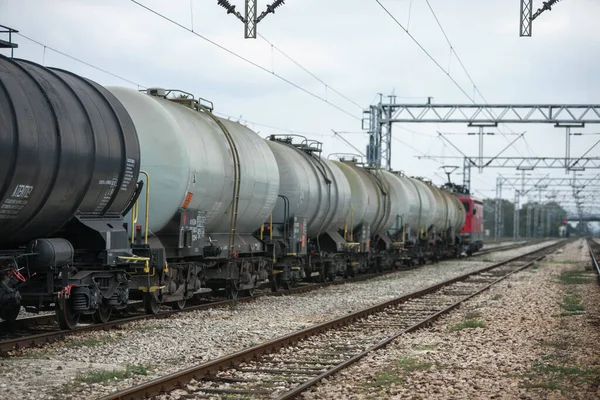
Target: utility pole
[[516, 216]]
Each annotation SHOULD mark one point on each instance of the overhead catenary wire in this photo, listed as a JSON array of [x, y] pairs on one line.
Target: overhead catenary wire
[[447, 72], [45, 46], [233, 53], [475, 88], [309, 72], [246, 121], [425, 51], [81, 61]]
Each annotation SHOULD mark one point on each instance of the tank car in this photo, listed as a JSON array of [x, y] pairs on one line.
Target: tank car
[[112, 195], [214, 182], [69, 162]]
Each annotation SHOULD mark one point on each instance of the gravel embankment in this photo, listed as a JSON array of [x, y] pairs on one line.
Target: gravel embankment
[[539, 340], [96, 363]]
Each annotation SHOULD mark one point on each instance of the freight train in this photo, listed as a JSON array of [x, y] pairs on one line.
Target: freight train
[[110, 195]]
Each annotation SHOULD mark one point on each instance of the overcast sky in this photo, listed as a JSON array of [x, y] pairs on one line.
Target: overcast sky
[[351, 45]]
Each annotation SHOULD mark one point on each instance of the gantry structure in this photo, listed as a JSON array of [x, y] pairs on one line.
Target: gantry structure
[[380, 118], [576, 192], [251, 18], [527, 15]]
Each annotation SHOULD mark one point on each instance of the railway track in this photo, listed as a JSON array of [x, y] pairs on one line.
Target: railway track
[[594, 248], [39, 330], [285, 367], [506, 247]]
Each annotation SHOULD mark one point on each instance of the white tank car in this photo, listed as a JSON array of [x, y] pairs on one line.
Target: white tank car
[[451, 215], [190, 165], [425, 206], [315, 187], [374, 199]]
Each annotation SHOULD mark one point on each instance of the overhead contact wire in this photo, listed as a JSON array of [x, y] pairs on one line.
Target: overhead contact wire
[[245, 59], [310, 73], [453, 50], [425, 51], [79, 60]]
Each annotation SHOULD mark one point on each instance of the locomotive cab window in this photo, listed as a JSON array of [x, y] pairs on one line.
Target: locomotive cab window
[[474, 211], [466, 206]]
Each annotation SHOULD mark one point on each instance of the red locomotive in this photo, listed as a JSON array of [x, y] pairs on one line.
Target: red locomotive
[[472, 232]]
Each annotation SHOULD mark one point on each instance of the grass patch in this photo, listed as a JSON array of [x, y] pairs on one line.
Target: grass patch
[[496, 297], [559, 262], [575, 277], [411, 364], [397, 374], [467, 324], [543, 384], [385, 378], [561, 369], [36, 355], [89, 342], [425, 347], [559, 344], [554, 376], [103, 376], [572, 304]]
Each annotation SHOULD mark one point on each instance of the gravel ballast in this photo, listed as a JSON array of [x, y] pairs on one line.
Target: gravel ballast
[[92, 364], [533, 336]]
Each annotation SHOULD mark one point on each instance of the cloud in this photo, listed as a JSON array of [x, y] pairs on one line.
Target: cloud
[[353, 45]]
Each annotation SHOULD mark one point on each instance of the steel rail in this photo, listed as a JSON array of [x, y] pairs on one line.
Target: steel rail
[[178, 379], [50, 337], [594, 249], [506, 247], [55, 335]]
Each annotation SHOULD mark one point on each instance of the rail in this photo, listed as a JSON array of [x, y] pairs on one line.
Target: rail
[[24, 326], [594, 249], [263, 352]]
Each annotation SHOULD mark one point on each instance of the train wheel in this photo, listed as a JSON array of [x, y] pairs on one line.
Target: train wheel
[[151, 304], [9, 313], [65, 315], [102, 314], [178, 305]]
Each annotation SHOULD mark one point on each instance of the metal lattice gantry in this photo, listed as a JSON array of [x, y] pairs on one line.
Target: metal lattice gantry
[[379, 119], [528, 183], [527, 15], [250, 19], [575, 192], [494, 114], [520, 164]]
